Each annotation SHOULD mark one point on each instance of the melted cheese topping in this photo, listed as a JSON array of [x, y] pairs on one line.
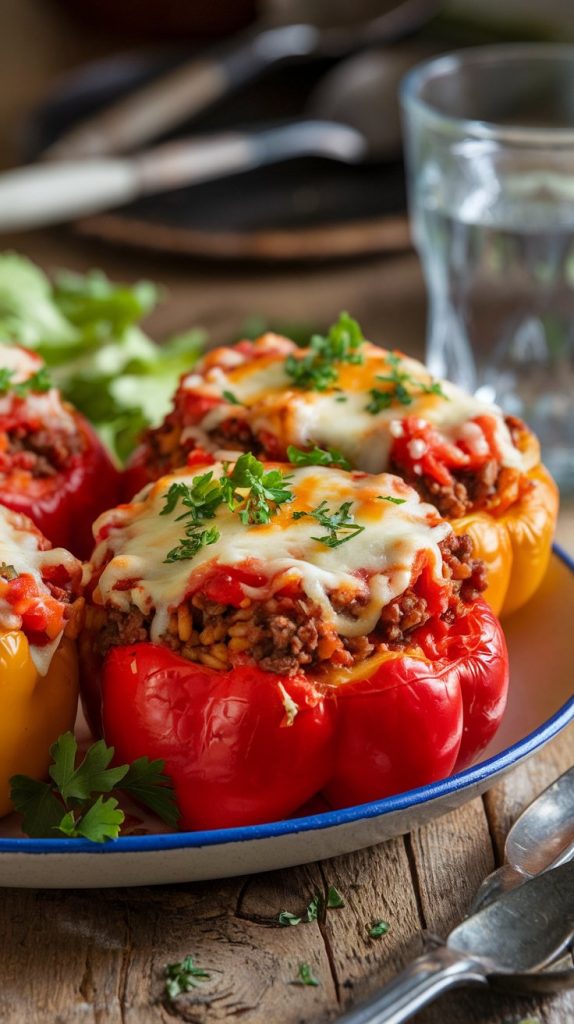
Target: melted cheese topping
[[338, 418], [20, 548], [376, 565], [43, 406]]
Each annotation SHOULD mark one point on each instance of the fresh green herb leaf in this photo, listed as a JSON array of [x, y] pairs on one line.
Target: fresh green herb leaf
[[315, 908], [317, 457], [378, 928], [394, 501], [231, 398], [336, 523], [286, 918], [38, 804], [92, 774], [402, 387], [101, 821], [194, 541], [341, 398], [73, 802], [183, 977], [37, 382], [264, 490], [317, 370], [334, 899], [147, 783], [305, 976]]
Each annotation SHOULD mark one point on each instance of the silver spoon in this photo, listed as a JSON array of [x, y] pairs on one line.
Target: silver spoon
[[288, 30], [515, 936], [541, 838]]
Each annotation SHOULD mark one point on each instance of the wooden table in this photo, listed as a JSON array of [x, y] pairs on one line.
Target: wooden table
[[70, 957]]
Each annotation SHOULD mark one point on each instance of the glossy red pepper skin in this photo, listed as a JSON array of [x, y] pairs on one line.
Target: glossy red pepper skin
[[226, 737], [399, 721], [64, 506]]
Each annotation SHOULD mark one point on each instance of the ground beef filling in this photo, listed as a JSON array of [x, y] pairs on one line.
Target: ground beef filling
[[41, 453], [285, 634]]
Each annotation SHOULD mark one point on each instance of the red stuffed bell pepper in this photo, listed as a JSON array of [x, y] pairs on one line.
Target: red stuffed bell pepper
[[379, 411], [275, 633], [53, 467]]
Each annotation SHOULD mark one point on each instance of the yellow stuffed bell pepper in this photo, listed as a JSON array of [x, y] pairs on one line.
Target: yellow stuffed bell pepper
[[34, 709], [514, 535], [40, 614]]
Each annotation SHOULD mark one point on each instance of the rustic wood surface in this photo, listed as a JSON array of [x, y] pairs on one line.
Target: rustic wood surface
[[67, 957]]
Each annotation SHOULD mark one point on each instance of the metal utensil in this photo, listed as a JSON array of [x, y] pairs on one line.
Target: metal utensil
[[290, 30], [541, 838], [517, 935], [48, 193]]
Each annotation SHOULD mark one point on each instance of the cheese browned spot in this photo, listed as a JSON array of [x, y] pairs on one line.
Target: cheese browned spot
[[374, 566], [269, 403]]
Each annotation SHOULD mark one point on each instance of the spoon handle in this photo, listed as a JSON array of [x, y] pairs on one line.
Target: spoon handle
[[421, 982]]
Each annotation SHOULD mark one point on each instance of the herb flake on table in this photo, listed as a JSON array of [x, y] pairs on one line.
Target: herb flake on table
[[182, 977], [77, 803], [378, 929], [305, 976], [287, 919]]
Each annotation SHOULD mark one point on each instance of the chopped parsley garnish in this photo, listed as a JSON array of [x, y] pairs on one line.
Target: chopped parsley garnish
[[201, 501], [402, 388], [231, 398], [317, 370], [264, 490], [394, 501], [183, 977], [334, 899], [305, 976], [317, 457], [39, 381], [248, 490], [340, 524], [378, 929], [73, 804], [286, 918]]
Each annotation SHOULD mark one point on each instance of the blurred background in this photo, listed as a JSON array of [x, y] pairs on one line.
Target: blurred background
[[285, 245]]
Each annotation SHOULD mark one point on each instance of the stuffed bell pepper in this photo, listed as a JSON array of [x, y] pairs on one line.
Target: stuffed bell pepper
[[346, 400], [39, 619], [276, 632], [53, 467]]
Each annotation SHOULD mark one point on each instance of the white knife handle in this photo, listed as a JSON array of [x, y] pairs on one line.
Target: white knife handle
[[46, 194]]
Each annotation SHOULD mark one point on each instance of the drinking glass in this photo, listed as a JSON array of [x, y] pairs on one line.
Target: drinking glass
[[489, 136]]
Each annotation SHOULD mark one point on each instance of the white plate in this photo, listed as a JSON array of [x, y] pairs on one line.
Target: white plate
[[541, 703]]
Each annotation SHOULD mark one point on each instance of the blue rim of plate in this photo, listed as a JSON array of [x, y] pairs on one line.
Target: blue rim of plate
[[328, 819]]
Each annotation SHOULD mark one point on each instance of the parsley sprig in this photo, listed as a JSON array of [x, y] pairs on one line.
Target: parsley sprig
[[340, 524], [182, 977], [73, 803], [37, 382], [254, 493], [305, 976], [318, 369], [248, 490], [402, 387], [317, 457]]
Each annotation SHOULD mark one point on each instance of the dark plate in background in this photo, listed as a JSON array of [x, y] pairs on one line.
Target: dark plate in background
[[299, 210]]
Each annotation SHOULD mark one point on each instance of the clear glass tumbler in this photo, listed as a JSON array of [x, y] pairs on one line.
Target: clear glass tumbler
[[489, 138]]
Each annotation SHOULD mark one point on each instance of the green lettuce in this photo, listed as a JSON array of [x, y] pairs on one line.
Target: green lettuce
[[87, 330]]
